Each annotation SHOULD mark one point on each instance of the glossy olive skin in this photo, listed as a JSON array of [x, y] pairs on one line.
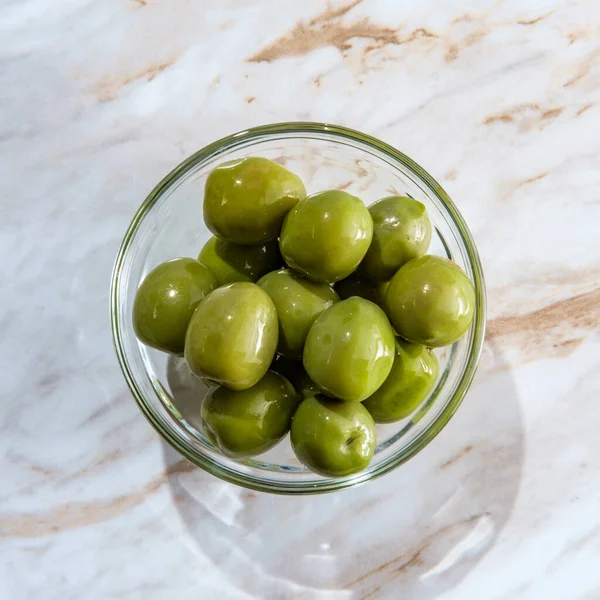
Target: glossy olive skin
[[382, 289], [401, 232], [414, 372], [355, 285], [333, 438], [296, 374], [326, 236], [246, 200], [349, 350], [166, 300], [249, 422], [232, 262], [298, 302], [232, 336], [430, 301]]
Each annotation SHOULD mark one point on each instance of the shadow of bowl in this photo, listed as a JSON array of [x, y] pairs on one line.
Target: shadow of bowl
[[187, 391], [412, 534]]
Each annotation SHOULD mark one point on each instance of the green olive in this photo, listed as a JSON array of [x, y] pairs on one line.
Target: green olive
[[382, 289], [349, 350], [232, 336], [414, 372], [249, 422], [326, 236], [333, 438], [298, 302], [166, 300], [355, 285], [401, 232], [296, 374], [247, 199], [430, 301], [232, 262]]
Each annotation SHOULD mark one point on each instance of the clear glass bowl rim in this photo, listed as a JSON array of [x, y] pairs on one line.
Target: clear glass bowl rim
[[345, 135]]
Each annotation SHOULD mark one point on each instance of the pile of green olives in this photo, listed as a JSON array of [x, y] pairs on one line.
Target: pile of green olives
[[314, 315]]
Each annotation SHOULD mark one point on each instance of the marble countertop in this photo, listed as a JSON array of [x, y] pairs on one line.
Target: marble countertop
[[498, 99]]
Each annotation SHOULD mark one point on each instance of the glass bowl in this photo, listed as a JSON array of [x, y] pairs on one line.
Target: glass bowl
[[169, 224]]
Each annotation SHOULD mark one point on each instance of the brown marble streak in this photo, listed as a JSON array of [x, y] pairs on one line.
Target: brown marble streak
[[525, 115], [412, 558], [327, 30], [584, 67], [532, 179], [324, 30], [466, 450], [81, 514], [98, 464], [584, 108], [535, 20], [25, 463], [581, 311], [372, 593], [469, 40], [108, 88], [567, 346]]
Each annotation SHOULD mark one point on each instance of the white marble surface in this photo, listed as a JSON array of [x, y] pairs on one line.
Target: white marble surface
[[499, 100]]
